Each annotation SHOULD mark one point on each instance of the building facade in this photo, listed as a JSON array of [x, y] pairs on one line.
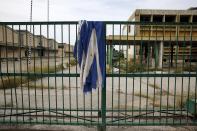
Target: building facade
[[165, 43], [64, 50], [14, 44], [9, 43]]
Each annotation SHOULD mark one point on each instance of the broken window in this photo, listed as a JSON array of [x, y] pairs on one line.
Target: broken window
[[170, 18], [195, 18], [184, 18], [157, 18], [145, 18]]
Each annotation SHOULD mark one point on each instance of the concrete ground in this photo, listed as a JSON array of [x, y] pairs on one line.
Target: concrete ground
[[117, 88], [84, 128]]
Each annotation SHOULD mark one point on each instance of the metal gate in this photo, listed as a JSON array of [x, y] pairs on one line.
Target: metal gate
[[151, 72]]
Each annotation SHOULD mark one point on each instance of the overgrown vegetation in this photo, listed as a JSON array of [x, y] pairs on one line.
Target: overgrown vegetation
[[13, 82], [72, 62], [108, 69], [133, 66], [38, 86], [182, 99], [186, 68], [137, 65]]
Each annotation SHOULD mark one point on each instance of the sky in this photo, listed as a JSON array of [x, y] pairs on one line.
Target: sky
[[74, 10]]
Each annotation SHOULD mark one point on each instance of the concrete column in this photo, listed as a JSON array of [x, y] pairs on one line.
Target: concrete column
[[160, 54], [150, 56], [109, 56], [156, 54], [107, 52]]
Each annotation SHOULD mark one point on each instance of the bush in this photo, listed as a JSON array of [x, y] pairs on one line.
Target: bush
[[73, 62]]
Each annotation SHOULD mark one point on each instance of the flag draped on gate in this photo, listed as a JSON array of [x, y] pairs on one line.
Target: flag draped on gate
[[89, 51]]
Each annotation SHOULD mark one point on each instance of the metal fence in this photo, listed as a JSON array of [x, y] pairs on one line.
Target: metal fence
[[151, 72]]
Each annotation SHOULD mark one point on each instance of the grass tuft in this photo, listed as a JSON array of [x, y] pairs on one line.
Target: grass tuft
[[155, 86], [144, 96]]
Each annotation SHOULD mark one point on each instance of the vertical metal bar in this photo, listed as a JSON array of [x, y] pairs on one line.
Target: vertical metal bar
[[91, 107], [35, 61], [175, 82], [41, 63], [169, 68], [156, 66], [103, 98], [182, 79], [195, 95], [119, 74], [11, 97], [126, 81], [112, 74], [29, 101], [14, 71], [99, 110], [84, 108], [70, 105], [134, 62], [4, 89], [161, 89], [148, 44], [21, 80], [190, 59], [49, 101], [1, 68], [55, 72], [62, 56], [140, 71], [77, 103], [34, 71]]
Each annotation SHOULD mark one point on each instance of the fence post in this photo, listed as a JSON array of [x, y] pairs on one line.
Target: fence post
[[102, 127]]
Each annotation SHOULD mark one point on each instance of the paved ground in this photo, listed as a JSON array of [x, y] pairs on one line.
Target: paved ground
[[83, 128], [120, 91], [65, 92]]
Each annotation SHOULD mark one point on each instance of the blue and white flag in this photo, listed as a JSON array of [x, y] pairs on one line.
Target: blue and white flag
[[89, 50]]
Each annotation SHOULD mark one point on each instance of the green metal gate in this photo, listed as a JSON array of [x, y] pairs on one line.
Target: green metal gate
[[151, 73]]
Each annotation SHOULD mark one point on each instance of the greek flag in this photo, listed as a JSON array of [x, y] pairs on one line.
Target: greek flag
[[89, 50]]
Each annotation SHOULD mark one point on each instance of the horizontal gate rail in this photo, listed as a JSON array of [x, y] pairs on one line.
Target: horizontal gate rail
[[108, 75]]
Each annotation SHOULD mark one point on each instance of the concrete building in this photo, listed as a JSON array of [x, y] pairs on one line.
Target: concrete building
[[51, 48], [46, 47], [14, 44], [39, 45], [9, 43], [26, 40], [164, 43], [65, 50]]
